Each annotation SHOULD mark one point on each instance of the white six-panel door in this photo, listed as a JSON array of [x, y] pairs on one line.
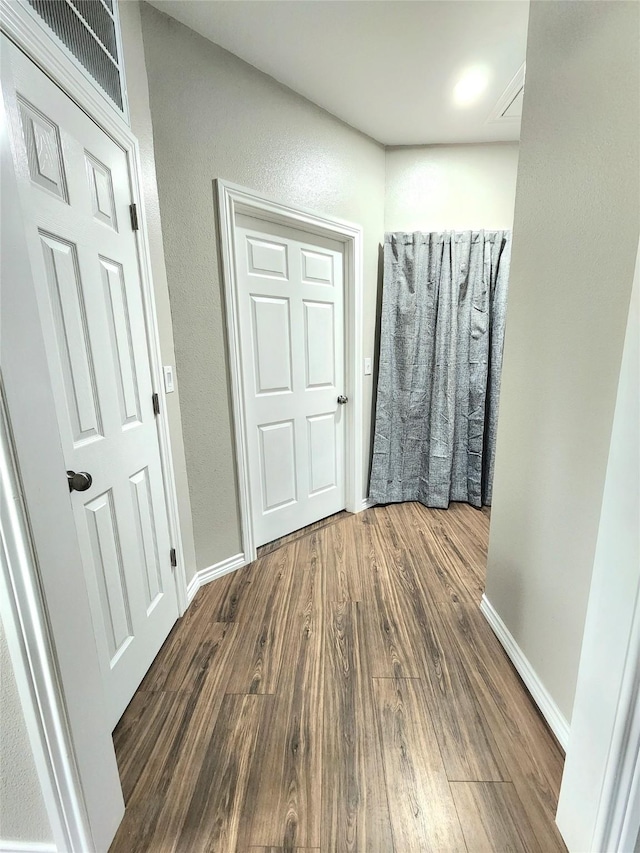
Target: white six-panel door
[[75, 196], [290, 303]]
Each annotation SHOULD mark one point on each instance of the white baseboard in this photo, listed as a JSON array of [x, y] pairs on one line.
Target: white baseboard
[[27, 847], [550, 711], [367, 503], [209, 574]]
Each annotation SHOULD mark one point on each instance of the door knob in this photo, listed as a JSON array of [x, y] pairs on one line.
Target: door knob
[[342, 399], [80, 481]]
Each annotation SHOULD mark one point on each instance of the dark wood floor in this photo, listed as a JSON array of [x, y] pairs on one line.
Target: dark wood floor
[[263, 550], [342, 693]]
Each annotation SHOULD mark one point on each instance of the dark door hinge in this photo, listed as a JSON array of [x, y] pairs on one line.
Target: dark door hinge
[[156, 403], [173, 557], [133, 213]]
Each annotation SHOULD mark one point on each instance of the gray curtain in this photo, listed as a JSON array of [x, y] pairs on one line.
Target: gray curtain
[[443, 310]]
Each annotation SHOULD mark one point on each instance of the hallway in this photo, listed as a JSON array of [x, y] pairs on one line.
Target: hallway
[[341, 693]]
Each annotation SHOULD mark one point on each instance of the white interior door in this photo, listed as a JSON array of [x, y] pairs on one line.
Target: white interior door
[[290, 302], [75, 195]]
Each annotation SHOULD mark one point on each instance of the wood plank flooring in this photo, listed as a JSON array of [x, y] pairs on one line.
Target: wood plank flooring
[[342, 693], [299, 534]]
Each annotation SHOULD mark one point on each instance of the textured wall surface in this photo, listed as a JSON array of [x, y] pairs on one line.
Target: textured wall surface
[[23, 816], [214, 116], [575, 237], [450, 187], [140, 115]]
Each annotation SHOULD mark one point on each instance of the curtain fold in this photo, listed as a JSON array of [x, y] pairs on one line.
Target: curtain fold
[[442, 333]]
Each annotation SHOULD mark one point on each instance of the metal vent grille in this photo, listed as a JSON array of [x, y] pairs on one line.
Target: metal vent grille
[[88, 29]]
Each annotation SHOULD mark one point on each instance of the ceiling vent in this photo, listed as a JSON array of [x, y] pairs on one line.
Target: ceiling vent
[[508, 110]]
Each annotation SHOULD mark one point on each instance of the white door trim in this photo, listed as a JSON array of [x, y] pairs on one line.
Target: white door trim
[[33, 659], [233, 199], [618, 821], [599, 803]]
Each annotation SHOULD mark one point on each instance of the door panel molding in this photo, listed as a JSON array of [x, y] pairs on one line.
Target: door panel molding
[[233, 200]]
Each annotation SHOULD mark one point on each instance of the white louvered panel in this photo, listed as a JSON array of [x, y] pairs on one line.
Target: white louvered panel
[[89, 30]]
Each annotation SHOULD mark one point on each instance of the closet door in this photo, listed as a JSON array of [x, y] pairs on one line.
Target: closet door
[[292, 340]]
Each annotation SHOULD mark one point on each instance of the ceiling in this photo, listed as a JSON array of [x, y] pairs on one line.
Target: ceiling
[[387, 67]]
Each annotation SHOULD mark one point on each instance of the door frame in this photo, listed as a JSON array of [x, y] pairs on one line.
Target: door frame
[[233, 199], [33, 660], [599, 803]]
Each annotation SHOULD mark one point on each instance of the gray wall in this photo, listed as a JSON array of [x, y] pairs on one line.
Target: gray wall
[[23, 816], [215, 116], [574, 244], [450, 187]]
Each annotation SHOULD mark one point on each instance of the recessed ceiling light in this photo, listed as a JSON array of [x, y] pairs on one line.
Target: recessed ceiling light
[[470, 86]]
